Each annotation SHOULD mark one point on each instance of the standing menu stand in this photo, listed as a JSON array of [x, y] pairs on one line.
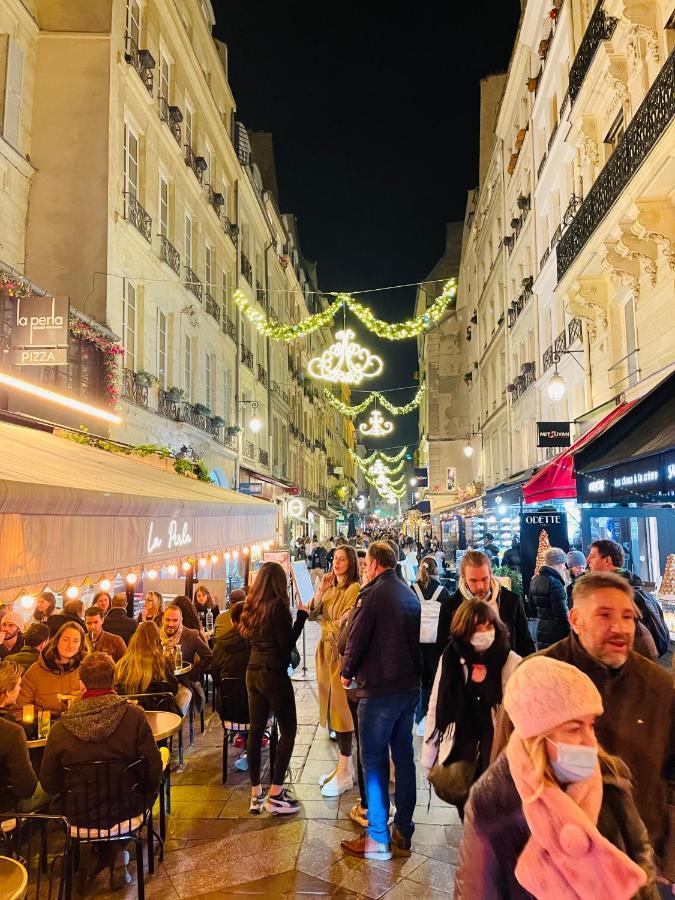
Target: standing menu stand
[[302, 583]]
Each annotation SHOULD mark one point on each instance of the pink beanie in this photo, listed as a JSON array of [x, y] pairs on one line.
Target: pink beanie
[[543, 693]]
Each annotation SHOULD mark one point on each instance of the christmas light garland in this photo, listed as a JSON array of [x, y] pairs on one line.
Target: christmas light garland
[[391, 331], [377, 454], [353, 411]]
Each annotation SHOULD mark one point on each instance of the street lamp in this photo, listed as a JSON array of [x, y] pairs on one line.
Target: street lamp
[[556, 386], [468, 450], [413, 482], [254, 423]]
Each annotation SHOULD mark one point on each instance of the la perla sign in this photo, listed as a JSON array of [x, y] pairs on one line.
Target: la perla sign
[[168, 537]]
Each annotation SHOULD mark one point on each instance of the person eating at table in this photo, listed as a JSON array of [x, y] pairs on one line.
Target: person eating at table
[[11, 629], [100, 640], [55, 673], [34, 640]]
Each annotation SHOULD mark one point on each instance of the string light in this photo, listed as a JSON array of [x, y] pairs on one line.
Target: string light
[[27, 601], [377, 454], [132, 578], [151, 574], [202, 560], [227, 556], [105, 585], [214, 559], [376, 426], [72, 592], [345, 361], [172, 570], [186, 566], [354, 411], [245, 551], [235, 555]]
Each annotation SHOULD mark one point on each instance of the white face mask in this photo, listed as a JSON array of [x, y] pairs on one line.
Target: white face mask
[[482, 640], [575, 762]]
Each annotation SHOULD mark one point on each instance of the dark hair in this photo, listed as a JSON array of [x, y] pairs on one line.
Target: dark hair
[[383, 554], [611, 549], [428, 570], [598, 581], [51, 600], [74, 608], [475, 612], [188, 611], [474, 558], [49, 652], [97, 671], [35, 634], [488, 537], [94, 611], [202, 589], [352, 574], [98, 595], [269, 589], [236, 609], [237, 596]]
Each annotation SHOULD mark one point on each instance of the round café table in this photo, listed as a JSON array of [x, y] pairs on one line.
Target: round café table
[[184, 669], [163, 724], [13, 878]]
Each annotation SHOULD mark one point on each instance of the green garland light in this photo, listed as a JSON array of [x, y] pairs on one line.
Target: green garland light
[[353, 411], [396, 331], [378, 454]]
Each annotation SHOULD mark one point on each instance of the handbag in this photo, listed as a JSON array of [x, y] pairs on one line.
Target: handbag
[[452, 782], [295, 658]]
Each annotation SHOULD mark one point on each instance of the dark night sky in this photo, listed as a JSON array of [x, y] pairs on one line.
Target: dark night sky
[[374, 112]]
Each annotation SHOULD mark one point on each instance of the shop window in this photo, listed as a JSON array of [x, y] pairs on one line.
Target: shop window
[[639, 538]]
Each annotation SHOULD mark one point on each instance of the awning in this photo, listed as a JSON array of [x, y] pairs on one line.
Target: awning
[[69, 512], [423, 506], [458, 504], [555, 480], [510, 492]]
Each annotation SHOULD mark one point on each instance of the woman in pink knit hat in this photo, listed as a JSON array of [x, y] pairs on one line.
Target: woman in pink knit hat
[[553, 818]]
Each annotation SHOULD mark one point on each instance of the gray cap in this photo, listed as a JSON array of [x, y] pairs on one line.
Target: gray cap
[[576, 558], [554, 556]]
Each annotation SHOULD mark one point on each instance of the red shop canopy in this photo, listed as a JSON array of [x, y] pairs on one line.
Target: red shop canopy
[[555, 480]]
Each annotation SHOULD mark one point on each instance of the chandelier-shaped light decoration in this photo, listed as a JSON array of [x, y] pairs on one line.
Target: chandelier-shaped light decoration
[[376, 426], [345, 361]]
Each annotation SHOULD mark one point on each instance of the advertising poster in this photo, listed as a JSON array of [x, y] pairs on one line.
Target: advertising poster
[[539, 529]]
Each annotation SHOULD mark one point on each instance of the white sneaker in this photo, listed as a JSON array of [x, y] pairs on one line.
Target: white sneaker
[[257, 804], [324, 778], [282, 804], [337, 785], [419, 731]]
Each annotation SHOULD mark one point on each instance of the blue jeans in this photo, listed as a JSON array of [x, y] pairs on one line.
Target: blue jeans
[[386, 723]]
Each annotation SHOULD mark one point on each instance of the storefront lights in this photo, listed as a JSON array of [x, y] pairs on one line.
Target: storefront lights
[[20, 385], [152, 574], [27, 601], [132, 578], [186, 566], [214, 559]]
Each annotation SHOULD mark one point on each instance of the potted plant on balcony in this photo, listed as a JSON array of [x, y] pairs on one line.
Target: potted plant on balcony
[[202, 409], [143, 378], [175, 394], [510, 388], [532, 83], [468, 378], [543, 48], [474, 317], [523, 201], [217, 421], [515, 223]]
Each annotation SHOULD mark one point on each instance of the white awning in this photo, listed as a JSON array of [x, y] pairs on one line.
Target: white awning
[[69, 512]]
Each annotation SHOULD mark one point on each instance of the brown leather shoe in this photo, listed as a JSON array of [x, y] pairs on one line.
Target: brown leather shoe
[[365, 848], [399, 845]]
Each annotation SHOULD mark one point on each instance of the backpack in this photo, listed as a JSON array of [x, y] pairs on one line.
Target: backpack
[[653, 618], [430, 611]]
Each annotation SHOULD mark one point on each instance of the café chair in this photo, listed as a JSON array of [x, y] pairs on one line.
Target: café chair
[[46, 877], [161, 702], [233, 711]]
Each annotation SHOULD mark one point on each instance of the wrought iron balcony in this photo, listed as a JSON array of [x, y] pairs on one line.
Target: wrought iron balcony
[[553, 134], [212, 308], [169, 254], [139, 218], [230, 229], [168, 407], [175, 118], [570, 212], [249, 449], [262, 375], [229, 328], [260, 293], [133, 389], [196, 163], [247, 357], [540, 167], [522, 383], [547, 359], [645, 128], [574, 331], [163, 108], [214, 199], [193, 284], [556, 236], [142, 61], [246, 269], [199, 416], [600, 28], [263, 457], [560, 343]]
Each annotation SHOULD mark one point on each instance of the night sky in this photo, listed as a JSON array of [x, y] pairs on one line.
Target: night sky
[[374, 112]]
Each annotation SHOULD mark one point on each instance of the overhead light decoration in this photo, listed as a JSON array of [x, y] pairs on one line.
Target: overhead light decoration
[[353, 411], [376, 426], [345, 361]]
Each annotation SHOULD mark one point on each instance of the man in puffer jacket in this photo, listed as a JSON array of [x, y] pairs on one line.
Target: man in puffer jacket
[[548, 597]]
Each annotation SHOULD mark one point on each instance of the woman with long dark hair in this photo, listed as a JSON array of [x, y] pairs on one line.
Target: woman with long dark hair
[[468, 690], [144, 669], [204, 602], [266, 623], [55, 673], [44, 608], [331, 605]]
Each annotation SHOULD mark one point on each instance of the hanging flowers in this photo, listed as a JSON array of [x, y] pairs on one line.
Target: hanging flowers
[[110, 350], [13, 286]]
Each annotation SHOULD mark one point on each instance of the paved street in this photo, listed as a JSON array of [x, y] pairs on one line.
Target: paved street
[[215, 848]]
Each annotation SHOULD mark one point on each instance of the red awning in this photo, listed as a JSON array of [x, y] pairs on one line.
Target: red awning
[[555, 480]]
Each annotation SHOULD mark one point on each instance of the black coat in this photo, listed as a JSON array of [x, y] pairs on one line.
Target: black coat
[[511, 612], [118, 622], [547, 599]]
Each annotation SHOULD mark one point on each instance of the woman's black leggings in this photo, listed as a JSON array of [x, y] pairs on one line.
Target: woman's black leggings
[[270, 690], [354, 708]]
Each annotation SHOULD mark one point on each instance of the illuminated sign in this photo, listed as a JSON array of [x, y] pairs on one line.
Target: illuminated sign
[[296, 508], [40, 331], [166, 535]]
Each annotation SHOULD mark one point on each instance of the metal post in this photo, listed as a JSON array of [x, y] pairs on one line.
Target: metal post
[[190, 582], [129, 591]]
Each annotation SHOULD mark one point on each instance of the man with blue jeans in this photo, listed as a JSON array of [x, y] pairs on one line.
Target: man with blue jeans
[[382, 654]]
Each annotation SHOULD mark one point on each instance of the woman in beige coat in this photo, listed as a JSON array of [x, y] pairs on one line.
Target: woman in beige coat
[[332, 604]]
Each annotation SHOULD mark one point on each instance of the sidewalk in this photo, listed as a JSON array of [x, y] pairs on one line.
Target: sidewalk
[[214, 848]]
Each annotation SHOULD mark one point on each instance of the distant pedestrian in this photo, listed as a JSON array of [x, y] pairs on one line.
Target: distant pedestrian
[[512, 558], [432, 595], [576, 566], [547, 599]]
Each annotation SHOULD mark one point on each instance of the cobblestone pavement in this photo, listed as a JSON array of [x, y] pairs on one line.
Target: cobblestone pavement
[[215, 849]]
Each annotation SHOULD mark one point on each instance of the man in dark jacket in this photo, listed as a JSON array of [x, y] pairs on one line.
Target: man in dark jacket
[[100, 640], [476, 582], [34, 640], [382, 654], [117, 621], [638, 722], [512, 556], [11, 629], [101, 727]]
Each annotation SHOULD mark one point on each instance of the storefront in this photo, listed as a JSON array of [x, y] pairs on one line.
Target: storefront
[[502, 508], [459, 527], [626, 484]]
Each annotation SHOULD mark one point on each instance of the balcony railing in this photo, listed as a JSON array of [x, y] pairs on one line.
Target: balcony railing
[[133, 389], [214, 199], [540, 167], [570, 212], [196, 163], [249, 449], [139, 218], [260, 293], [544, 258], [230, 229], [574, 331], [522, 383], [169, 254], [212, 308], [163, 108], [547, 359], [246, 269], [247, 357], [645, 128], [167, 407], [600, 28], [175, 118], [263, 457], [229, 328], [142, 60], [560, 343], [193, 284], [557, 234], [262, 375]]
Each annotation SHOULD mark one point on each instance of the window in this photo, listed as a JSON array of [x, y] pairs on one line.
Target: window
[[187, 368], [632, 362], [188, 121], [210, 174], [129, 325], [225, 303], [614, 135], [161, 348], [164, 79], [188, 240], [13, 91], [226, 395], [223, 191], [134, 21], [130, 161], [163, 206], [208, 381], [208, 268]]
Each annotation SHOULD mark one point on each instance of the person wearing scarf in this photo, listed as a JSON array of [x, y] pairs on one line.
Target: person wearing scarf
[[554, 817], [468, 689]]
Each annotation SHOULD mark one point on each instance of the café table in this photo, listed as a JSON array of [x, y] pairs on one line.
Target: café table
[[163, 726], [184, 669], [13, 878]]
